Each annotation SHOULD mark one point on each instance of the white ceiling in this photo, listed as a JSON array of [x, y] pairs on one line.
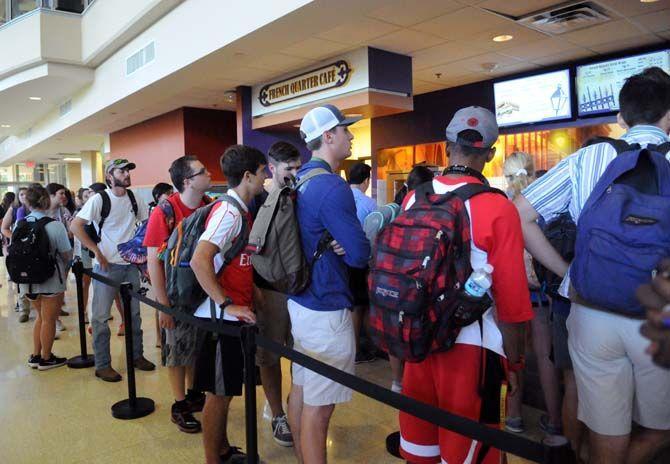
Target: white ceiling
[[451, 38]]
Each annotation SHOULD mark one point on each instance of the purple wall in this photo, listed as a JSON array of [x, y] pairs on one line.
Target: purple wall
[[263, 138]]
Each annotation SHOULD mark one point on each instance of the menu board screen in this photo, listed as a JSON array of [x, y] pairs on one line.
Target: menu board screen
[[533, 99], [599, 84]]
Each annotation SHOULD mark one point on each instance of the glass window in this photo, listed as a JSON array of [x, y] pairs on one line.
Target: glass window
[[20, 7], [6, 174], [3, 11]]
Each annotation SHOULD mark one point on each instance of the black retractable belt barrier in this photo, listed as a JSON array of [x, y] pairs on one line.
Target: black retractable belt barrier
[[133, 407], [504, 441], [84, 360]]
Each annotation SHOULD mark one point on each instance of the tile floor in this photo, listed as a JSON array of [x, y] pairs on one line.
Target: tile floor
[[63, 415]]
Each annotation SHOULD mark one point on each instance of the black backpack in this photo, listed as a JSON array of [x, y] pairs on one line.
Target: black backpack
[[561, 232], [30, 259], [104, 213]]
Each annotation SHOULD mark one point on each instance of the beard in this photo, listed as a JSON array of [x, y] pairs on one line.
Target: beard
[[120, 183]]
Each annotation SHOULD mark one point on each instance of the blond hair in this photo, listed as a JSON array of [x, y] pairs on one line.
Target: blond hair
[[519, 171]]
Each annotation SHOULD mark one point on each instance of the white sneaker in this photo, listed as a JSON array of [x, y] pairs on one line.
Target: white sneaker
[[59, 326], [396, 387]]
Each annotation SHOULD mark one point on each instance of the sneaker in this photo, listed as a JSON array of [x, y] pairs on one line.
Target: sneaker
[[184, 419], [64, 313], [108, 374], [144, 364], [34, 361], [281, 432], [122, 330], [59, 326], [548, 428], [195, 400], [396, 387], [364, 357], [24, 318], [234, 455], [51, 363], [514, 425]]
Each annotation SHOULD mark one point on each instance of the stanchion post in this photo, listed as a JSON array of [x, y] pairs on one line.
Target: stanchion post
[[84, 360], [249, 345], [133, 407]]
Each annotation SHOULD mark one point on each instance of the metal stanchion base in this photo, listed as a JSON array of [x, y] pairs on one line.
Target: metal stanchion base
[[123, 410], [393, 444], [81, 362]]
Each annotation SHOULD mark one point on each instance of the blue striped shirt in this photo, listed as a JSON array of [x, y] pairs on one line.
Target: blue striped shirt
[[567, 185]]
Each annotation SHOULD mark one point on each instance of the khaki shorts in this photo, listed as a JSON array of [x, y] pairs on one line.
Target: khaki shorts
[[273, 322], [617, 382], [327, 336]]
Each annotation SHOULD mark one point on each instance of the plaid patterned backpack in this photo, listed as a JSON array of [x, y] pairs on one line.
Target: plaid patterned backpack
[[421, 261]]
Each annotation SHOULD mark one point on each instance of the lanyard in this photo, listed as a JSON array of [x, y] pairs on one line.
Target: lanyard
[[466, 171]]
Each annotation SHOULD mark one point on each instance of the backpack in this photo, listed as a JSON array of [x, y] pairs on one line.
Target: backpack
[[182, 287], [561, 233], [133, 251], [274, 240], [421, 262], [30, 259], [90, 229], [622, 232]]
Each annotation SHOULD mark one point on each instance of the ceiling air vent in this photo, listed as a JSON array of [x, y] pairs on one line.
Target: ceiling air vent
[[140, 58], [562, 19]]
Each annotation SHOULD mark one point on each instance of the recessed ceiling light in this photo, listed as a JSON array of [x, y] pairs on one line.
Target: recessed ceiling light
[[71, 159], [5, 126], [648, 1], [35, 98], [503, 38]]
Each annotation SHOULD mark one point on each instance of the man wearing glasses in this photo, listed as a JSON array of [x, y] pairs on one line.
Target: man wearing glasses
[[191, 179], [115, 212]]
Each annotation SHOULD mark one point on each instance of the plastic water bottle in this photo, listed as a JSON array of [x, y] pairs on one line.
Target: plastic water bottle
[[479, 281]]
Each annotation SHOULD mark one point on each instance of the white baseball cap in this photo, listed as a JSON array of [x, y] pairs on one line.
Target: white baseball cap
[[323, 118]]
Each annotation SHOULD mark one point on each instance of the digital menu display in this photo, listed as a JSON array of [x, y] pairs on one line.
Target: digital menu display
[[533, 99], [599, 84]]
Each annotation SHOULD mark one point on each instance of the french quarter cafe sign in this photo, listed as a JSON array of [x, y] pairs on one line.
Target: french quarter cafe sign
[[317, 80]]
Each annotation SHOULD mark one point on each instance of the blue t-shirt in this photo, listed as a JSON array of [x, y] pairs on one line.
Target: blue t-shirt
[[364, 205], [326, 203]]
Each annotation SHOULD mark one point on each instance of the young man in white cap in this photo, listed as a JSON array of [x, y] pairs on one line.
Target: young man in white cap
[[321, 322], [115, 212], [452, 379]]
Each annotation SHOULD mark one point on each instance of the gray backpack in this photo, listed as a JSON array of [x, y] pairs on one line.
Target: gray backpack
[[274, 240], [183, 289]]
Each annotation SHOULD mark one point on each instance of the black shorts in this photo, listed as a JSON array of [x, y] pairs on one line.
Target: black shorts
[[219, 365], [358, 284]]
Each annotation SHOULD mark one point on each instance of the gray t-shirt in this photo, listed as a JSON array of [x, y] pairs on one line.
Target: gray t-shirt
[[59, 243]]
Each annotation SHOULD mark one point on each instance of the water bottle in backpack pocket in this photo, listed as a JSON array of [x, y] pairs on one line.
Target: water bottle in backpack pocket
[[623, 232]]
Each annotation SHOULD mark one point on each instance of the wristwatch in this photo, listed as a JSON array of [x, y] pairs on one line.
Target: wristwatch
[[226, 302]]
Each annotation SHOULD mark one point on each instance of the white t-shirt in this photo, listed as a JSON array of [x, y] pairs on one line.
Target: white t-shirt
[[119, 226], [224, 225]]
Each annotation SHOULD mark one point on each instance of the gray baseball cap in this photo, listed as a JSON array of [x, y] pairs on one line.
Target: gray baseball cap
[[477, 119], [119, 163], [323, 118]]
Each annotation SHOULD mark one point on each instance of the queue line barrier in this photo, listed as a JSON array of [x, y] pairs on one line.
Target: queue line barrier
[[135, 407]]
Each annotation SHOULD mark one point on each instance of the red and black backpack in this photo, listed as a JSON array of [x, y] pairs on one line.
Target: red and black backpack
[[420, 264]]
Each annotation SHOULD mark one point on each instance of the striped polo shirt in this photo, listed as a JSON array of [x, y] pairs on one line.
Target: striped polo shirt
[[567, 186]]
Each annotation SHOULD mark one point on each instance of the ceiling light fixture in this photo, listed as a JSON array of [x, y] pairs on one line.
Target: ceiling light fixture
[[5, 126], [35, 98], [648, 1], [71, 159], [503, 38]]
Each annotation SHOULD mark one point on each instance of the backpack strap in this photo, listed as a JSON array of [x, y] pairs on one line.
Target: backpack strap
[[470, 190], [106, 208], [242, 239], [168, 212], [133, 201], [619, 145], [663, 148], [311, 174]]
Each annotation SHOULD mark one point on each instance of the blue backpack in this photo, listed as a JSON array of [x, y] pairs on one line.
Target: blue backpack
[[623, 230]]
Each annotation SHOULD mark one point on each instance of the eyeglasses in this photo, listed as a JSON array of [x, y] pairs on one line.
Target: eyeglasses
[[202, 171]]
